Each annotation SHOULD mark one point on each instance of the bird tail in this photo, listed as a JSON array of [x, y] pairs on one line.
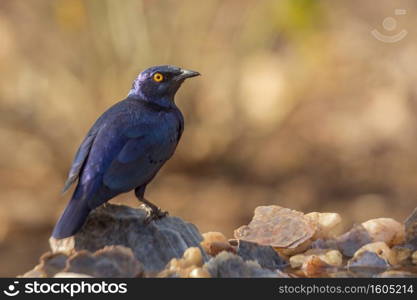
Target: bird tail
[[72, 219]]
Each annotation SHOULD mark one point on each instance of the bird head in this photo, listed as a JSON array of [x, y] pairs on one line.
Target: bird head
[[160, 83]]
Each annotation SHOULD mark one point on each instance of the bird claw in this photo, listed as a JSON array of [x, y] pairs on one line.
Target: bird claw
[[153, 213]]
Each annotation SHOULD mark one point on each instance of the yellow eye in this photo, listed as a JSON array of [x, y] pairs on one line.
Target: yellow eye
[[158, 77]]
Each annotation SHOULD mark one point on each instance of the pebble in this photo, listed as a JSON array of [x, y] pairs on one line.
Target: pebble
[[414, 257], [215, 242], [367, 264], [349, 242], [385, 230], [411, 229], [402, 254], [187, 266], [381, 249], [329, 256], [328, 224]]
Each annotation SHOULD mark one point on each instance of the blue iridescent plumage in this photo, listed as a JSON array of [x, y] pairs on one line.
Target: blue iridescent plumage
[[126, 147]]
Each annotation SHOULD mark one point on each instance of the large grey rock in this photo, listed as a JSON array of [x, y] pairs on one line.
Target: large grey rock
[[153, 244]]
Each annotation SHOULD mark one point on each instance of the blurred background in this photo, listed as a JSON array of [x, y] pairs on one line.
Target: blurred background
[[299, 105]]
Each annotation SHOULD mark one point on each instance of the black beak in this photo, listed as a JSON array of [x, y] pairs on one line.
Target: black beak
[[186, 74]]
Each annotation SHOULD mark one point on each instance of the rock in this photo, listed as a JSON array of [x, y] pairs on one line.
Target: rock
[[287, 252], [325, 244], [396, 274], [187, 266], [192, 257], [199, 273], [381, 249], [414, 257], [339, 274], [330, 257], [349, 242], [411, 229], [62, 245], [71, 275], [53, 263], [367, 264], [115, 242], [317, 262], [49, 265], [153, 244], [297, 261], [328, 224], [111, 261], [402, 254], [229, 265], [215, 242], [265, 256], [277, 227], [34, 273], [385, 230], [372, 259], [314, 266]]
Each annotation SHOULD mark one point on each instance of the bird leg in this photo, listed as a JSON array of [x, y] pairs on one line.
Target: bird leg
[[153, 212]]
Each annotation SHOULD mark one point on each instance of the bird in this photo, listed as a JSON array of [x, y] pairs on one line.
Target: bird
[[126, 147]]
